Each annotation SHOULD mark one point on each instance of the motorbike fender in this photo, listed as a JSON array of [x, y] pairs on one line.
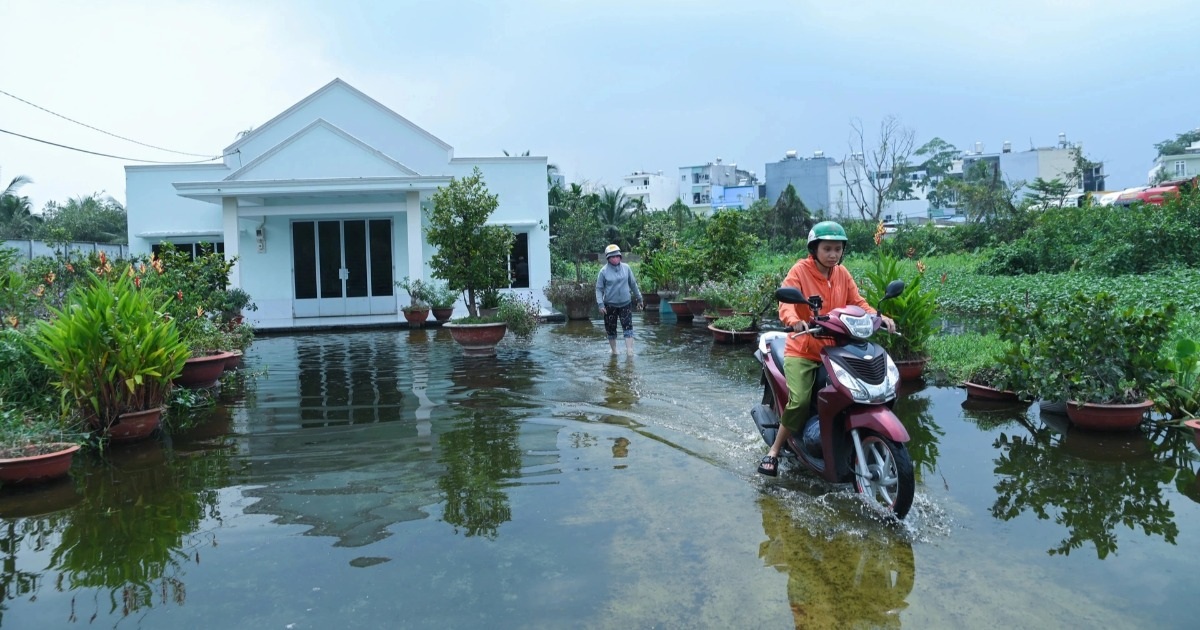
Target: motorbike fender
[[879, 419]]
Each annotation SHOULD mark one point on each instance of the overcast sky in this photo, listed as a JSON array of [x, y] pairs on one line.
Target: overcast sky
[[602, 88]]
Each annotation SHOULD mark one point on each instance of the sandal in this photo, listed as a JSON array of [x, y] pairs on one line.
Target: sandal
[[769, 466]]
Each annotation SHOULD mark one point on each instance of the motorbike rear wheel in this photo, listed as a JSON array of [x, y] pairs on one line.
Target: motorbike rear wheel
[[890, 484]]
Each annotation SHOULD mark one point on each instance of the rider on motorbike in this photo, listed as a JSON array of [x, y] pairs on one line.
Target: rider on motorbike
[[821, 273]]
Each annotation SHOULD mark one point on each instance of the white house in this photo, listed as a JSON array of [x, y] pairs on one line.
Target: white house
[[323, 206], [655, 190]]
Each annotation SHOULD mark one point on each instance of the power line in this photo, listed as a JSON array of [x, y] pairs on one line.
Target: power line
[[109, 155], [96, 128]]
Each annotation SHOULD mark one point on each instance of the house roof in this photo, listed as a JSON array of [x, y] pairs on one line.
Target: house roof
[[319, 126], [336, 84]]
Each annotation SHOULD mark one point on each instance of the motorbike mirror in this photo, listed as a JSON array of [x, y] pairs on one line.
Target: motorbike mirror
[[894, 288], [789, 295]]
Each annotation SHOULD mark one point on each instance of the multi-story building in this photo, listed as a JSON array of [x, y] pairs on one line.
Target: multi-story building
[[815, 180], [1184, 165], [655, 190], [739, 197], [696, 182], [1047, 163]]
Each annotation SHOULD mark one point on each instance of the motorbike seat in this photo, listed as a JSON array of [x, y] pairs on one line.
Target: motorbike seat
[[778, 344]]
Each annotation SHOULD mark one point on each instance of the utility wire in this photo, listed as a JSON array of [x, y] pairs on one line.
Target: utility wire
[[96, 128], [109, 155]]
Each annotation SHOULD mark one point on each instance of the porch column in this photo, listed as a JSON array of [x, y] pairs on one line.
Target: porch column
[[416, 257], [229, 225]]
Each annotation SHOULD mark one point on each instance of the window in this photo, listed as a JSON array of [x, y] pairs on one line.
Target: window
[[192, 249], [1180, 168], [683, 178]]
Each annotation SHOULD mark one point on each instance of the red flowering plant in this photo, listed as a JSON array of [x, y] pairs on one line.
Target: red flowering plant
[[914, 311]]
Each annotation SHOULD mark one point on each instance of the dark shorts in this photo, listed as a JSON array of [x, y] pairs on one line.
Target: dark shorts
[[612, 313]]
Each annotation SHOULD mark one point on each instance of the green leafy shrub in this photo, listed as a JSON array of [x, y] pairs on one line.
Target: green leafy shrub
[[111, 349], [734, 324], [521, 314]]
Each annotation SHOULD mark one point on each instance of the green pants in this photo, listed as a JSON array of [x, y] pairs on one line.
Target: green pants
[[800, 374]]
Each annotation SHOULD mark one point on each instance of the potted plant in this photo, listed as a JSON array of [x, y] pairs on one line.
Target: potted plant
[[577, 238], [235, 301], [418, 308], [441, 300], [914, 311], [470, 255], [735, 329], [1099, 357], [208, 352], [113, 353], [576, 299]]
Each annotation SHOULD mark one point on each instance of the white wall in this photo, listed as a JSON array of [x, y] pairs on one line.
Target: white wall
[[152, 205]]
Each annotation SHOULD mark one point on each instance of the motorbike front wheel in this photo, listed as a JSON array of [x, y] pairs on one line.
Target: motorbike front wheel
[[889, 482]]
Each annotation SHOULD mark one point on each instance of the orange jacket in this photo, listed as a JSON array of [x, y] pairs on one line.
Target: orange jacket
[[836, 291]]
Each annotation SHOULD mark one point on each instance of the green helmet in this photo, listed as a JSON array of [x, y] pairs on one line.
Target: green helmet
[[826, 231]]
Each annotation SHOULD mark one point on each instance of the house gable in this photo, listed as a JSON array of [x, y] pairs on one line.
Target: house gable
[[358, 115], [320, 151]]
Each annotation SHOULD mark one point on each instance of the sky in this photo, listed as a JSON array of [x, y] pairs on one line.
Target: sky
[[602, 88]]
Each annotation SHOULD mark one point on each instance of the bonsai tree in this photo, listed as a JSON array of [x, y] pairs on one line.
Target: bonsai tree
[[440, 295], [419, 292], [470, 253]]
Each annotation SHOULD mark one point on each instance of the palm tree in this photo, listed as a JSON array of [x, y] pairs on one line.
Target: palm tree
[[613, 211], [682, 213], [16, 211]]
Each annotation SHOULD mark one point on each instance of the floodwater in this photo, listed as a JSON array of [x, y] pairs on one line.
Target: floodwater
[[380, 479]]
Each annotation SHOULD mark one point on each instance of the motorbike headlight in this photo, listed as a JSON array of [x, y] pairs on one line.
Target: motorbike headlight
[[893, 378], [858, 389], [860, 327]]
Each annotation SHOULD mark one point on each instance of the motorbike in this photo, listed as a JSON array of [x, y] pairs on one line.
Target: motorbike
[[851, 434]]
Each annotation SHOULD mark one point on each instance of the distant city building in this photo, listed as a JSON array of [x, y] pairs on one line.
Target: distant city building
[[1184, 165], [1048, 163], [655, 190], [814, 179], [739, 197], [696, 182]]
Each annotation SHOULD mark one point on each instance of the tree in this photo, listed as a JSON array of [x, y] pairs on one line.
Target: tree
[[470, 254], [1048, 194], [681, 213], [577, 231], [939, 158], [17, 220], [613, 211], [982, 194], [877, 176], [1179, 144], [790, 218], [727, 247], [94, 218]]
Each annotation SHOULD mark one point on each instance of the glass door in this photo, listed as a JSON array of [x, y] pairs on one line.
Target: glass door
[[342, 268]]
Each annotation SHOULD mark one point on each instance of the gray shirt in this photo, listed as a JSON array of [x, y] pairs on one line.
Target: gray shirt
[[615, 285]]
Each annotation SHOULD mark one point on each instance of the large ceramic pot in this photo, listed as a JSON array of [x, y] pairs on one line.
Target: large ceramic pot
[[234, 360], [696, 305], [36, 463], [911, 369], [1102, 417], [983, 392], [135, 425], [1194, 425], [579, 309], [650, 300], [416, 316], [681, 311], [478, 340], [443, 314], [732, 336], [202, 371]]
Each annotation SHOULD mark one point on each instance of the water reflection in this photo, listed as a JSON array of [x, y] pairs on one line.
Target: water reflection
[[840, 579], [137, 528], [1089, 483], [924, 432], [479, 456]]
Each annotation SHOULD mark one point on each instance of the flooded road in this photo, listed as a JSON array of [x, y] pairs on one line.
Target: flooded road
[[381, 479]]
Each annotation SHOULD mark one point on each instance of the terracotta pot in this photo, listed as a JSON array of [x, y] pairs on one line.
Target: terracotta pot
[[681, 311], [443, 314], [135, 425], [651, 299], [234, 360], [733, 336], [416, 317], [1101, 417], [696, 305], [1194, 423], [725, 312], [17, 468], [488, 312], [202, 371], [580, 309], [911, 369], [478, 340], [983, 392]]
